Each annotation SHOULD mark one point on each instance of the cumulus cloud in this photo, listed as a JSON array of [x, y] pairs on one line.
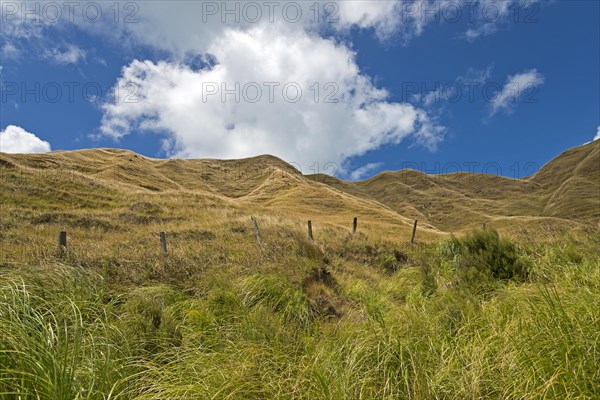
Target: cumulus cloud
[[192, 26], [15, 139], [518, 86], [234, 48], [332, 112], [597, 137], [364, 171]]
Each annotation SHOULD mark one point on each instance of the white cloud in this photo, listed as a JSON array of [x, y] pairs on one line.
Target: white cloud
[[387, 18], [476, 75], [15, 139], [454, 91], [38, 25], [517, 86], [597, 137], [489, 15], [266, 51], [70, 54], [172, 98], [9, 51], [365, 170], [191, 26]]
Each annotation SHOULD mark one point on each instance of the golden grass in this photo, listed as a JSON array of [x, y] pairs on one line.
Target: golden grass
[[363, 316]]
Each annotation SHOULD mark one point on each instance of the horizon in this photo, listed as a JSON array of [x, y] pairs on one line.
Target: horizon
[[408, 169]]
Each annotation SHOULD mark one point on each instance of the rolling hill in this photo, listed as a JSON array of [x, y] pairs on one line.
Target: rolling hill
[[213, 313], [564, 194], [566, 190]]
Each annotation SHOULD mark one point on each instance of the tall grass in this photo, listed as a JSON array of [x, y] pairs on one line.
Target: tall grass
[[57, 341], [328, 321]]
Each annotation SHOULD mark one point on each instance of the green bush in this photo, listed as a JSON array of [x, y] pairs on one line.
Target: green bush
[[483, 255]]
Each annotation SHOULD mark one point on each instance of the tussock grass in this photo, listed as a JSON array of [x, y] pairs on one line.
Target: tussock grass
[[414, 333], [58, 341], [343, 316]]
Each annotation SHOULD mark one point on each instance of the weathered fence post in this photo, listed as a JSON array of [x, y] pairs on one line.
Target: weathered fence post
[[310, 233], [354, 224], [484, 226], [62, 241], [257, 231], [163, 243], [412, 239]]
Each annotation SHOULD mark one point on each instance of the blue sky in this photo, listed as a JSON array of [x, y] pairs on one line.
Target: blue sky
[[502, 87]]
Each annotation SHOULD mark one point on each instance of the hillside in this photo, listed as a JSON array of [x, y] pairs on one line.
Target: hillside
[[368, 315], [566, 191], [564, 194]]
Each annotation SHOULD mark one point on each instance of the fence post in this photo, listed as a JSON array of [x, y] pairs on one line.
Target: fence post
[[163, 243], [484, 226], [310, 233], [257, 231], [62, 241], [354, 224], [412, 239]]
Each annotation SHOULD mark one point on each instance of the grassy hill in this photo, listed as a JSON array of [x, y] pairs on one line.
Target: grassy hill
[[479, 315], [564, 193]]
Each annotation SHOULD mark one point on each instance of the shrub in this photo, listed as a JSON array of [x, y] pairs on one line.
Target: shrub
[[482, 255]]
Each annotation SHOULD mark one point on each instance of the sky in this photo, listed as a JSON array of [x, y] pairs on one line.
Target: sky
[[347, 87]]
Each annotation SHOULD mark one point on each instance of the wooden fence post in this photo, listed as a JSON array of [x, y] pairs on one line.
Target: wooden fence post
[[354, 224], [310, 233], [412, 239], [484, 226], [62, 241], [163, 243], [257, 231]]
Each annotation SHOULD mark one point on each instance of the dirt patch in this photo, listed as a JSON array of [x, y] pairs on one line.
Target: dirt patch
[[321, 275], [395, 261], [6, 164], [322, 292], [239, 229], [151, 188]]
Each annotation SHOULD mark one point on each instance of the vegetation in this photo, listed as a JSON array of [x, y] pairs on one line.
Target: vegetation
[[484, 314], [317, 324]]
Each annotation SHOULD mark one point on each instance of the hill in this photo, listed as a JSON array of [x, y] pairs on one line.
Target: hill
[[344, 316], [564, 194]]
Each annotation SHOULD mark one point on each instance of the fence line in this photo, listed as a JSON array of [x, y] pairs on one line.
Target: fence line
[[63, 244]]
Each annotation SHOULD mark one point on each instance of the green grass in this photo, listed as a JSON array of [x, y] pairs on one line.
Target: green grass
[[330, 320], [363, 316]]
